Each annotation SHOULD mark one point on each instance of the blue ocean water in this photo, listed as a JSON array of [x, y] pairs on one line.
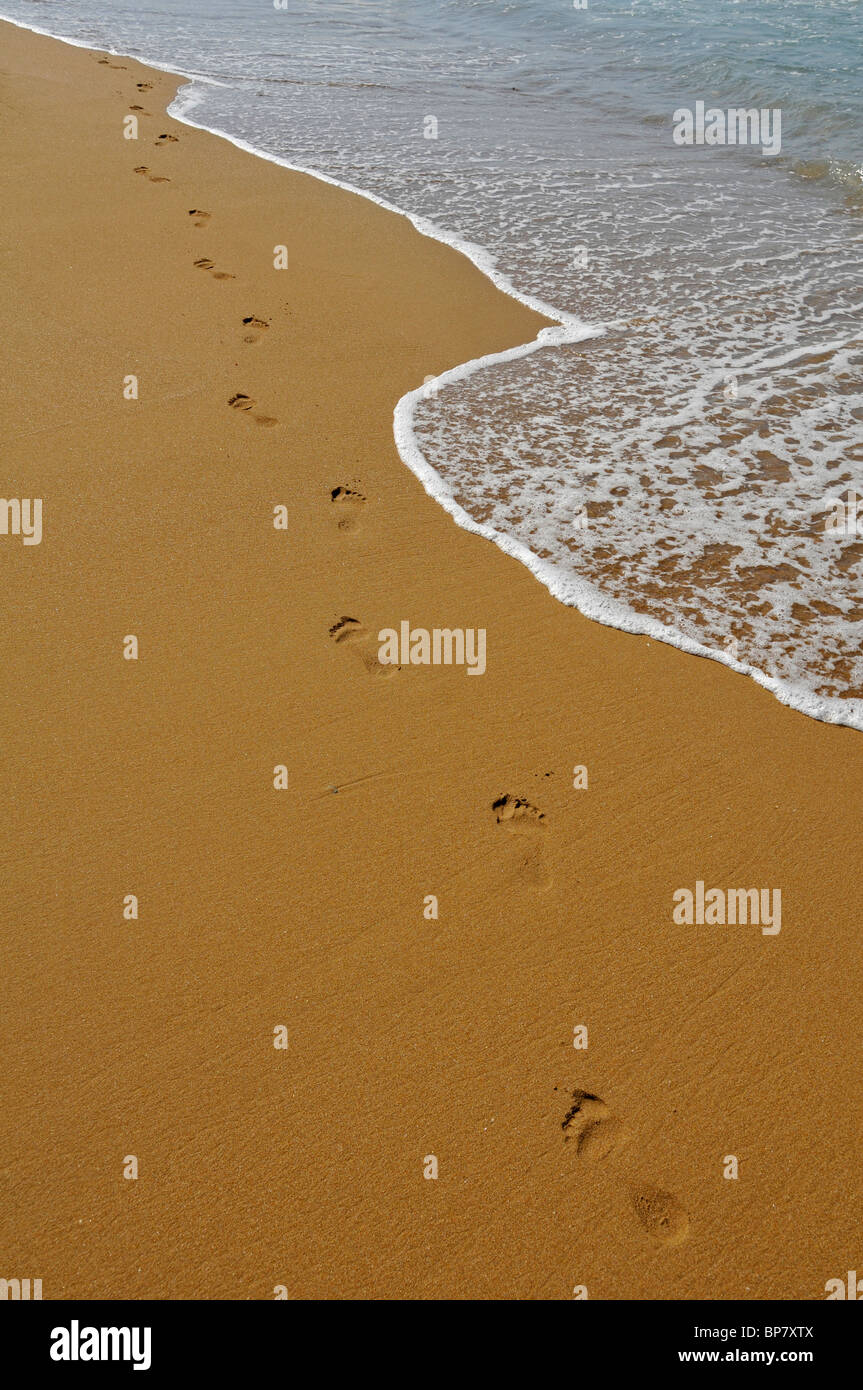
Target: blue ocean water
[[674, 465]]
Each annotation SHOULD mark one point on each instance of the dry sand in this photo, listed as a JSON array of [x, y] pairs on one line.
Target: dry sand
[[408, 1037]]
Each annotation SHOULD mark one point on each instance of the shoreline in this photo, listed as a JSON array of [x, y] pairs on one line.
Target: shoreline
[[409, 1035], [572, 590]]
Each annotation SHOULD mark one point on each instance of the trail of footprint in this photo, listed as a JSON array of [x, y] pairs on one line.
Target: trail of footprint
[[201, 218], [349, 503], [351, 630], [154, 178], [204, 263], [524, 820], [252, 324], [592, 1127], [661, 1215], [241, 401]]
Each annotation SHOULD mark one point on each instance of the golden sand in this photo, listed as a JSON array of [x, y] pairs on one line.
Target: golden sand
[[409, 1036]]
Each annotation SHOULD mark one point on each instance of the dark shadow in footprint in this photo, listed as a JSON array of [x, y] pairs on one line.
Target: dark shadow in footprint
[[352, 632], [661, 1215], [144, 86], [201, 218], [349, 503], [522, 819], [346, 629], [164, 139], [590, 1125], [241, 401]]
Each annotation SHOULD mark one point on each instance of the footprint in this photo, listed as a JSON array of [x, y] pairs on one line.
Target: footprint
[[201, 218], [351, 630], [591, 1125], [204, 263], [144, 86], [243, 402], [517, 812], [154, 178], [661, 1215], [524, 820], [161, 139], [349, 503], [252, 324], [597, 1132]]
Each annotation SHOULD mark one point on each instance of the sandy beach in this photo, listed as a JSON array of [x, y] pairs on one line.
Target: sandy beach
[[450, 1030]]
